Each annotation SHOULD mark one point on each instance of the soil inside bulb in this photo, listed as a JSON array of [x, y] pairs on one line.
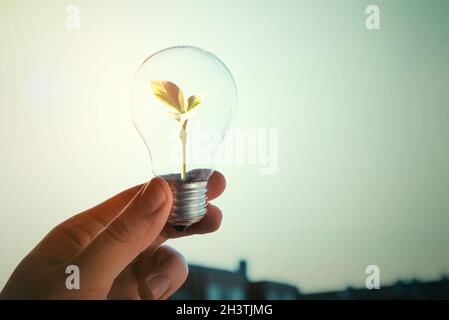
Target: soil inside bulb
[[195, 175]]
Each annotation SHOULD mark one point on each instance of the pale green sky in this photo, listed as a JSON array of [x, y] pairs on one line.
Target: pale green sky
[[362, 117]]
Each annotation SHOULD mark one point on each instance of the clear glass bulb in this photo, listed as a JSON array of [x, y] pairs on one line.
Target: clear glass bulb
[[182, 101]]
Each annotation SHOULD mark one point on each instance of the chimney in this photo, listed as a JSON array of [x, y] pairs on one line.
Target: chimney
[[242, 268]]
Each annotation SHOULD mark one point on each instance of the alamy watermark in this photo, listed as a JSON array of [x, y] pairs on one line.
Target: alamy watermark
[[73, 18], [372, 21], [373, 279], [72, 282], [251, 146]]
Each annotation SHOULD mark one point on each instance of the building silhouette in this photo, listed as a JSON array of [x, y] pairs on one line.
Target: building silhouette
[[204, 283], [409, 290]]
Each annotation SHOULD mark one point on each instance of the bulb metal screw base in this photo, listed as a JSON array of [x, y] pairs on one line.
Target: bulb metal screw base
[[189, 201]]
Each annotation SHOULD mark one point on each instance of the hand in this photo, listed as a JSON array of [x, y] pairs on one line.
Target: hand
[[117, 248]]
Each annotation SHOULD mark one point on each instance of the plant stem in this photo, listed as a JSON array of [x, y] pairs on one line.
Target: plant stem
[[183, 136]]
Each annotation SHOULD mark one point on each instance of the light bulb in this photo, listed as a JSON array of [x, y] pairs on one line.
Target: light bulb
[[182, 102]]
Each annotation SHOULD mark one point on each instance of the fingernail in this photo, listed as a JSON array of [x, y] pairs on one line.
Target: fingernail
[[154, 195], [158, 286]]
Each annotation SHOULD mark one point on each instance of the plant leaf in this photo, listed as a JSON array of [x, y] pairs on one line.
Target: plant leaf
[[193, 101], [169, 93]]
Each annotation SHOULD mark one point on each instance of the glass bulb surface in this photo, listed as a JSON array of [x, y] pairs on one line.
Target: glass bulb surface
[[182, 101]]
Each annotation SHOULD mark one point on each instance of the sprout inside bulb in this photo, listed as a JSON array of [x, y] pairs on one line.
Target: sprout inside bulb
[[183, 100]]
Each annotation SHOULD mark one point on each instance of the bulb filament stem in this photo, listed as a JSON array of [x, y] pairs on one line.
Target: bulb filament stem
[[183, 136]]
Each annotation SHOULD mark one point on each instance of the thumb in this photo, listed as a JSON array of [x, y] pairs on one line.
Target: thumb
[[134, 229]]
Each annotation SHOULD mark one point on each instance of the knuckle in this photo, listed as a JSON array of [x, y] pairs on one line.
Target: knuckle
[[120, 231], [77, 235]]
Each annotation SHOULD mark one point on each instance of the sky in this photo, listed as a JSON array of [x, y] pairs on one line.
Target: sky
[[360, 115]]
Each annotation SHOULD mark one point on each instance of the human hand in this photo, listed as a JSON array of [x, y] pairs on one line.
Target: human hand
[[117, 246]]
